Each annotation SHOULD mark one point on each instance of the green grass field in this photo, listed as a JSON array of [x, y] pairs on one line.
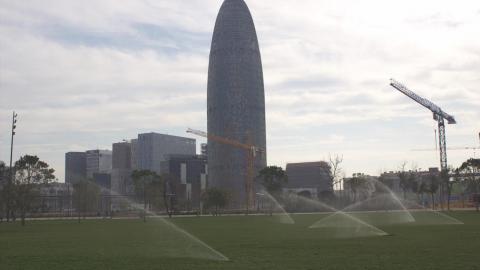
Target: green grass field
[[254, 242]]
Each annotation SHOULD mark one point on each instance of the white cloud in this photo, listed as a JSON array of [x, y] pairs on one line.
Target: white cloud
[[87, 73]]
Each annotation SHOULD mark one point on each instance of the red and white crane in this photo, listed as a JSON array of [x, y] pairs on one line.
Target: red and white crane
[[252, 152]]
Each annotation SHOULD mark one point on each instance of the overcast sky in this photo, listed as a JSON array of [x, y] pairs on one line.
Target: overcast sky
[[84, 74]]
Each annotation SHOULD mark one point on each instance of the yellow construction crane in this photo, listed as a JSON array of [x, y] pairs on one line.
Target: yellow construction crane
[[252, 152]]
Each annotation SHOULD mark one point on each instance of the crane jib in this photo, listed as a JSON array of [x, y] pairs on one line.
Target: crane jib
[[437, 111]]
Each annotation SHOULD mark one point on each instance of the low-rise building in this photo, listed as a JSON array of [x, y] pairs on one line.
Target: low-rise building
[[309, 179], [393, 182]]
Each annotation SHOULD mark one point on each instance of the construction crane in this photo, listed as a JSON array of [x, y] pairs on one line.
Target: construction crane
[[438, 115], [252, 152], [474, 148], [451, 148]]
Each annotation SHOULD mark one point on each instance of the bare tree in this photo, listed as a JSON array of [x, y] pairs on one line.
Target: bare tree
[[433, 183], [413, 182], [86, 196], [168, 194], [336, 171], [404, 179], [445, 186]]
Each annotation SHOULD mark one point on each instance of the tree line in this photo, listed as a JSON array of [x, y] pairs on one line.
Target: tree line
[[465, 179], [20, 193], [153, 193]]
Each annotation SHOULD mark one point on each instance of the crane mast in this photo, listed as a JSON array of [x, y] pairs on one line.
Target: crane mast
[[252, 152], [438, 115]]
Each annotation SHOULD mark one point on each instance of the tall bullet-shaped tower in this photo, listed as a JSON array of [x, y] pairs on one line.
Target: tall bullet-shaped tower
[[236, 99]]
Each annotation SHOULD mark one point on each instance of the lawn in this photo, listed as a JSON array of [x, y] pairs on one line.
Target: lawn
[[253, 242]]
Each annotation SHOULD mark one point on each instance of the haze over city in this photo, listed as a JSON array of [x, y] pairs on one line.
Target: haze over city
[[239, 134], [82, 78]]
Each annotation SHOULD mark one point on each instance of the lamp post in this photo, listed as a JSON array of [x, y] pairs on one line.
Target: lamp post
[[10, 180]]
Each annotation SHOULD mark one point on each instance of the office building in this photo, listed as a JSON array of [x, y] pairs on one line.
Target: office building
[[188, 178], [98, 161], [236, 99], [153, 148], [310, 179], [121, 180], [75, 167]]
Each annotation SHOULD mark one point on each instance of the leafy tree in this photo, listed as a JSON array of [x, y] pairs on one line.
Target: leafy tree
[[273, 178], [356, 184], [216, 198], [86, 196], [471, 171], [7, 204], [30, 171], [3, 193], [148, 186]]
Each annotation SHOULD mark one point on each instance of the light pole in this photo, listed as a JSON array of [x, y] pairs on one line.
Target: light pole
[[10, 180]]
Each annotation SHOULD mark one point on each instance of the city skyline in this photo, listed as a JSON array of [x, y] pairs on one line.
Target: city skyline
[[83, 78]]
